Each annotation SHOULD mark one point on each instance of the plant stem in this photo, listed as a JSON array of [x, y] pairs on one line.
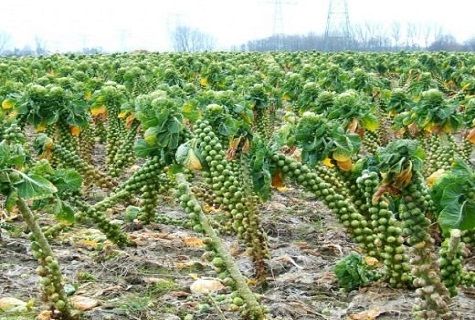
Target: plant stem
[[47, 252], [247, 295]]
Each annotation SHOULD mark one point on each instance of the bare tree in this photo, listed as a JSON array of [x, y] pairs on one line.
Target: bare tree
[[446, 42], [5, 40], [40, 46], [361, 35], [396, 33], [187, 39]]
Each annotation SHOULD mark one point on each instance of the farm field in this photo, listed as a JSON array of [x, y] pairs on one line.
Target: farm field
[[238, 185]]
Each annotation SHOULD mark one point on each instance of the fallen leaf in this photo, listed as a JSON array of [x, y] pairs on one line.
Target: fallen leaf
[[302, 244], [286, 258], [44, 315], [84, 303], [11, 304], [371, 314], [188, 264], [155, 280], [206, 286], [193, 242], [276, 206], [87, 244]]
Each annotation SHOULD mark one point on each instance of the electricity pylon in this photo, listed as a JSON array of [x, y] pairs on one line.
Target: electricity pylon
[[278, 27], [337, 31]]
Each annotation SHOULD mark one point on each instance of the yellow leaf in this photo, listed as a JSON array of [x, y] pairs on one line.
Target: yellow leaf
[[98, 110], [88, 244], [434, 176], [192, 162], [353, 125], [286, 97], [340, 156], [204, 82], [88, 95], [12, 115], [45, 315], [193, 241], [188, 264], [7, 104], [372, 262], [209, 208], [75, 130], [251, 282], [122, 114], [328, 162], [187, 108], [40, 128], [129, 120], [471, 135], [345, 165]]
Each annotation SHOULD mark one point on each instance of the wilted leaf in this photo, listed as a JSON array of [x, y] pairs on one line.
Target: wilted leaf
[[277, 181], [471, 136], [186, 156]]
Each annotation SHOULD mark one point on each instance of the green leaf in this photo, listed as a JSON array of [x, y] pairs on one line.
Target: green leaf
[[67, 180], [34, 187], [457, 216], [65, 212], [41, 168], [142, 149], [4, 154], [174, 125], [370, 122]]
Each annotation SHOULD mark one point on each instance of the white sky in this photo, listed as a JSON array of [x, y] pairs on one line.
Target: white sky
[[145, 24]]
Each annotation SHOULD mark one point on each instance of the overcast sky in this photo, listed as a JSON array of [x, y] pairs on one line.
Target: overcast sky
[[145, 24]]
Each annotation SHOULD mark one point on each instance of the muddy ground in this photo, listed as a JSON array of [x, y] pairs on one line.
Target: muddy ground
[[152, 280]]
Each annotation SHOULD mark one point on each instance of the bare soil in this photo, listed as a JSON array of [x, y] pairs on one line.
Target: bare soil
[[152, 280]]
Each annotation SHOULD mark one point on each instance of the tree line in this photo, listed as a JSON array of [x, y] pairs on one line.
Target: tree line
[[363, 37]]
